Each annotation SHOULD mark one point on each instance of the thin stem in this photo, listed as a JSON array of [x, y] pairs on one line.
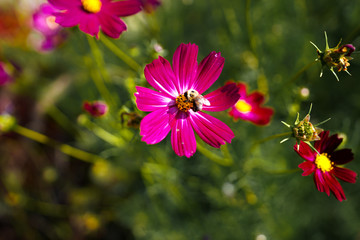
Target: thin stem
[[272, 137], [119, 53], [97, 78], [225, 161], [249, 26], [67, 149]]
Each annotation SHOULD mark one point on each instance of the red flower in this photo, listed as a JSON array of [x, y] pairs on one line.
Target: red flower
[[248, 107], [325, 166], [96, 108], [90, 15]]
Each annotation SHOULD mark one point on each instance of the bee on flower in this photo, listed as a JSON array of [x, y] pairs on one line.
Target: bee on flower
[[337, 57]]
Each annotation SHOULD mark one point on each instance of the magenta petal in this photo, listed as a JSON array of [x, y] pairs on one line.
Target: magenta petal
[[222, 98], [334, 186], [182, 136], [345, 174], [69, 18], [185, 66], [308, 168], [111, 25], [160, 76], [90, 25], [148, 100], [208, 72], [156, 125], [305, 152], [65, 4], [122, 8], [211, 130], [320, 182]]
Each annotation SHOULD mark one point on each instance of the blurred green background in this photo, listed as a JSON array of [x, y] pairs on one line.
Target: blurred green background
[[245, 190]]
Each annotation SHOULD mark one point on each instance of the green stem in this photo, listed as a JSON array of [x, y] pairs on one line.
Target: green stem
[[97, 78], [119, 53], [272, 137], [249, 26], [225, 161], [67, 149]]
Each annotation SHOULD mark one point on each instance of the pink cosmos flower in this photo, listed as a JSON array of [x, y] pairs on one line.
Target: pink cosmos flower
[[325, 166], [44, 22], [176, 104], [248, 107], [5, 77], [150, 5], [90, 15], [95, 108]]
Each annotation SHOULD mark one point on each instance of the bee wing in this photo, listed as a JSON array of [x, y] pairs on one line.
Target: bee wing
[[206, 102]]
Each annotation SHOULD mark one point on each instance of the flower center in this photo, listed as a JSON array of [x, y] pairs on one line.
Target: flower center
[[183, 103], [92, 6], [323, 162], [243, 106]]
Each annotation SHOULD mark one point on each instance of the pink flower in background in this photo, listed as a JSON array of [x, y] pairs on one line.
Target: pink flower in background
[[91, 15], [325, 164], [95, 108], [44, 22], [248, 107], [176, 104], [5, 77], [150, 5]]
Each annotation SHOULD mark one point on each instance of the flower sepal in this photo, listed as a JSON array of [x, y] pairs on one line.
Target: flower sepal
[[304, 130], [337, 57]]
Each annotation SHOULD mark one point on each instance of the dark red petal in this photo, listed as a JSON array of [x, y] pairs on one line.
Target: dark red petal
[[345, 174], [334, 186], [330, 144], [256, 97], [342, 156]]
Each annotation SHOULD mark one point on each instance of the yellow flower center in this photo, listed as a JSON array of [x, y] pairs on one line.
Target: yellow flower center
[[92, 6], [323, 162], [183, 103], [243, 106]]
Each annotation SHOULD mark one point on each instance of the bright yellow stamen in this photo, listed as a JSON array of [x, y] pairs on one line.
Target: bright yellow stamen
[[92, 6], [323, 162], [243, 106]]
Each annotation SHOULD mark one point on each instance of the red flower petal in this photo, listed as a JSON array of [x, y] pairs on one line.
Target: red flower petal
[[320, 182], [208, 72], [222, 98], [182, 136], [342, 156], [185, 66], [334, 186], [160, 76], [308, 168], [345, 174], [211, 130], [305, 152], [148, 100]]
